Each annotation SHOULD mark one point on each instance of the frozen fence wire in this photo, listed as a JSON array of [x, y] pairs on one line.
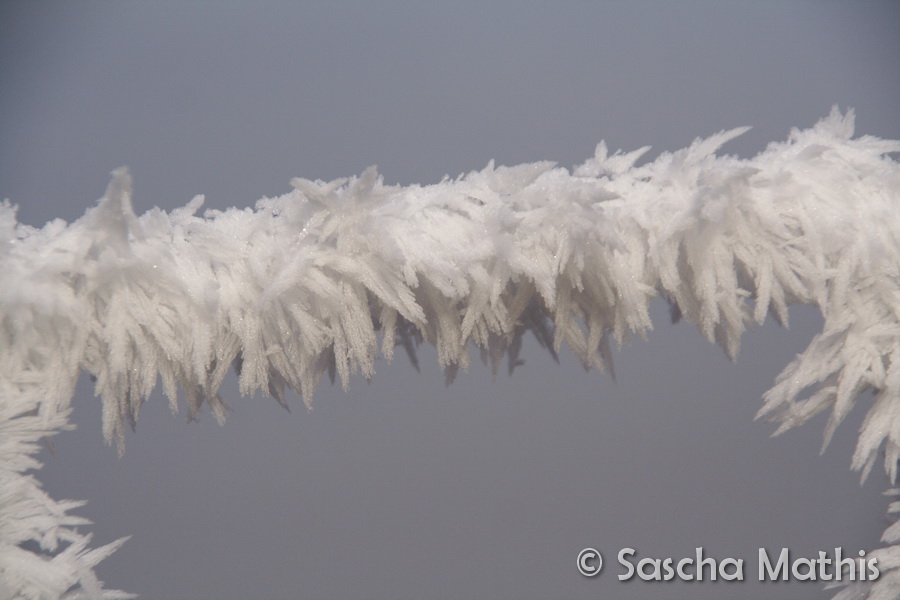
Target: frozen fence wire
[[328, 276]]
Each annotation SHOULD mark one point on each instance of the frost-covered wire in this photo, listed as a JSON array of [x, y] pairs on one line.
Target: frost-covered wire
[[327, 277]]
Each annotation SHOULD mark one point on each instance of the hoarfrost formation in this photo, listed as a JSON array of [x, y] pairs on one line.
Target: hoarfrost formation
[[328, 276]]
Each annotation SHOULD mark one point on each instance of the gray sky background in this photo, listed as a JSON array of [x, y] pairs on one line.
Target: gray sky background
[[405, 488]]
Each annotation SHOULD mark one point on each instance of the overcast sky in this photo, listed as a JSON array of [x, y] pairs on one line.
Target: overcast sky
[[405, 488]]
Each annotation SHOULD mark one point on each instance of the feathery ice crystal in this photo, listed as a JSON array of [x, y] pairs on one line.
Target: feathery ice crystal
[[328, 276]]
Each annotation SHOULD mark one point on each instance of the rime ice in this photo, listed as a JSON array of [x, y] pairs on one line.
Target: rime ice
[[332, 274]]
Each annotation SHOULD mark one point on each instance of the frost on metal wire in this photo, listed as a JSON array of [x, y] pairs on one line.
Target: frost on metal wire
[[327, 277]]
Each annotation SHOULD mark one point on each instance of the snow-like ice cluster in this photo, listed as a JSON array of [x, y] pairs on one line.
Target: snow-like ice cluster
[[329, 276]]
